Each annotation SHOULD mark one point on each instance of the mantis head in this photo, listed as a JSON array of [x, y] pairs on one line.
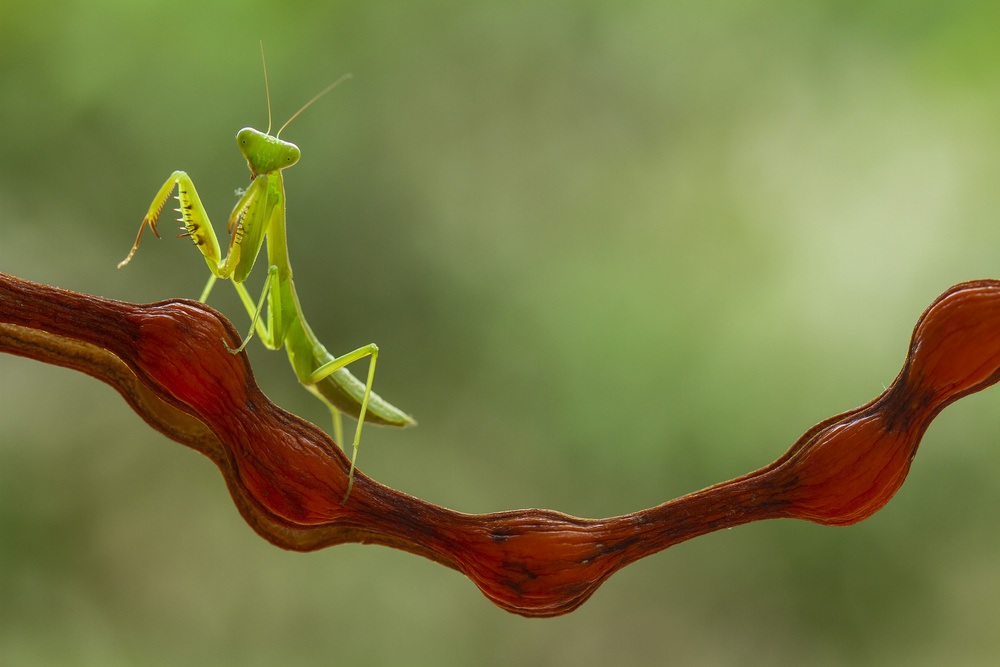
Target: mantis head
[[264, 153]]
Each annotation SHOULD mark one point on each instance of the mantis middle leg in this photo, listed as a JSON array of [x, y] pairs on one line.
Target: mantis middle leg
[[311, 361]]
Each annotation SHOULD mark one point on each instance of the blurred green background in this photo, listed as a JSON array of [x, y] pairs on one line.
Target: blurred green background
[[612, 254]]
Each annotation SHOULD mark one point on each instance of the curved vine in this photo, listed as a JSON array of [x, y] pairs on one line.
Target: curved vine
[[287, 477]]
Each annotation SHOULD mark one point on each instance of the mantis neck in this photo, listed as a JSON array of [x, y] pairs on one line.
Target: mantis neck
[[277, 244]]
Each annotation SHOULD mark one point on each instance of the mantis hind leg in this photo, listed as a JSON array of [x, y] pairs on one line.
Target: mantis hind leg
[[324, 370]]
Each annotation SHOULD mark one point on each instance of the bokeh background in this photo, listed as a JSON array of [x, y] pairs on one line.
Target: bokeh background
[[612, 253]]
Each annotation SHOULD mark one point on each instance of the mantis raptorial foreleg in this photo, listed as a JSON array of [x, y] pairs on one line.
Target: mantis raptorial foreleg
[[193, 217]]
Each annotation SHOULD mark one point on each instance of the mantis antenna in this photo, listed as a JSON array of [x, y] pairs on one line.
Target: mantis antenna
[[306, 105], [267, 92]]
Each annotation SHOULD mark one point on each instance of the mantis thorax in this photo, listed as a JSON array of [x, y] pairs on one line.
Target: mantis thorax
[[265, 153]]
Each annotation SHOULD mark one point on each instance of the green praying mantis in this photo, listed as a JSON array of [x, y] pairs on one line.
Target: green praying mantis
[[260, 212]]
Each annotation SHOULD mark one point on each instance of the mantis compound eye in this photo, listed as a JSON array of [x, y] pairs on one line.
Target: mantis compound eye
[[248, 136]]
